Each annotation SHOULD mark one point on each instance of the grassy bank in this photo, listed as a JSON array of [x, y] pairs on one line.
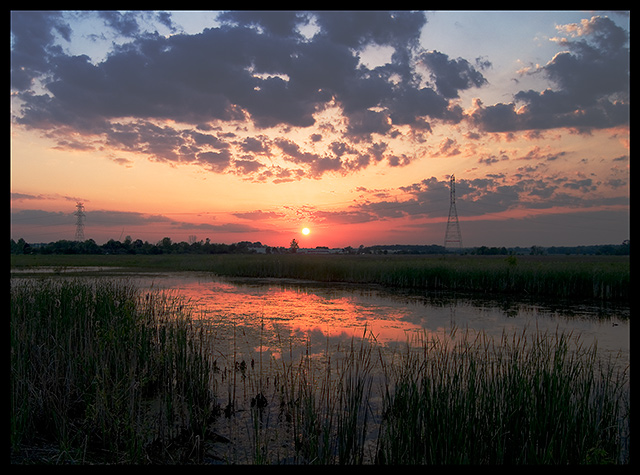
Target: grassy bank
[[581, 277], [101, 372]]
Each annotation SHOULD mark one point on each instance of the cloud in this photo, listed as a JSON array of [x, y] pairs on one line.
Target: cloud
[[214, 161], [105, 219], [284, 24], [477, 197], [32, 37], [259, 215], [159, 94], [51, 196], [357, 29], [592, 85], [227, 98], [452, 76], [128, 24], [235, 228]]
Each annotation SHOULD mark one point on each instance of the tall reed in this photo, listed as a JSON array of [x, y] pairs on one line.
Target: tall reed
[[534, 398], [96, 366], [595, 277], [458, 398], [577, 277]]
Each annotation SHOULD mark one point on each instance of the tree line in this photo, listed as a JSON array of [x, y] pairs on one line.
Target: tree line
[[130, 246], [167, 246]]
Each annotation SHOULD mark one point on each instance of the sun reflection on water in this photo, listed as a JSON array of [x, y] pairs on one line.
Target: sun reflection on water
[[274, 319], [289, 318]]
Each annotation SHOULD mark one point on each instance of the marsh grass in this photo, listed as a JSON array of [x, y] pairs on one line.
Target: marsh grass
[[556, 277], [99, 368], [578, 277], [106, 373], [531, 398], [459, 398]]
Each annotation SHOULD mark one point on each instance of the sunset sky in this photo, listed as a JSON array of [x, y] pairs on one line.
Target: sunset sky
[[250, 126]]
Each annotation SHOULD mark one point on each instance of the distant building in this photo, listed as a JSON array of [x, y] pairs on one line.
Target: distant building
[[258, 249], [320, 250]]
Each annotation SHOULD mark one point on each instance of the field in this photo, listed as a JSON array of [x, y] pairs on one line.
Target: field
[[102, 372], [579, 277]]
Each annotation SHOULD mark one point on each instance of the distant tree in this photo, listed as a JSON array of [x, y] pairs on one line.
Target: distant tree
[[293, 247], [20, 247], [625, 248], [89, 247], [165, 244]]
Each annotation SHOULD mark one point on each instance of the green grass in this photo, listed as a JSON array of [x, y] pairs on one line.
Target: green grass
[[573, 277], [104, 373], [529, 399], [97, 367]]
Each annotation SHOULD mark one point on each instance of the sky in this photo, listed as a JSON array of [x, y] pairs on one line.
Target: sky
[[252, 125]]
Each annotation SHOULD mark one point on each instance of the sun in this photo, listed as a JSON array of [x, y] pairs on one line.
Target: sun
[[305, 231]]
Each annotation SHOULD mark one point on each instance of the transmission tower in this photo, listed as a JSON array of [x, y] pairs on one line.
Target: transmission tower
[[79, 221], [453, 236]]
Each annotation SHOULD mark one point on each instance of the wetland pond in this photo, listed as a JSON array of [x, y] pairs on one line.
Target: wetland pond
[[278, 317]]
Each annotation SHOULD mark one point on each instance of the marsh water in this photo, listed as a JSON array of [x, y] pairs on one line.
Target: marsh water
[[279, 317]]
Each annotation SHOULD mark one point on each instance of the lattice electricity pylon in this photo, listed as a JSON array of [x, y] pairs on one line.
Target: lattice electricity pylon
[[79, 221], [453, 236]]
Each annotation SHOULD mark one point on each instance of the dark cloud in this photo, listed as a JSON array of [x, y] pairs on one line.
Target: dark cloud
[[97, 219], [255, 66], [364, 123], [259, 215], [218, 228], [429, 198], [278, 23], [32, 45], [126, 24], [451, 76], [215, 161], [37, 217], [54, 196], [123, 218], [357, 29], [167, 96], [41, 218], [592, 79], [248, 166], [255, 145]]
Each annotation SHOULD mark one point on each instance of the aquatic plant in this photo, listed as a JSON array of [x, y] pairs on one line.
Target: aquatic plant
[[460, 398], [98, 367], [531, 398]]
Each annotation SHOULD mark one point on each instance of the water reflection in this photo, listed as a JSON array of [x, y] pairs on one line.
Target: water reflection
[[284, 317]]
